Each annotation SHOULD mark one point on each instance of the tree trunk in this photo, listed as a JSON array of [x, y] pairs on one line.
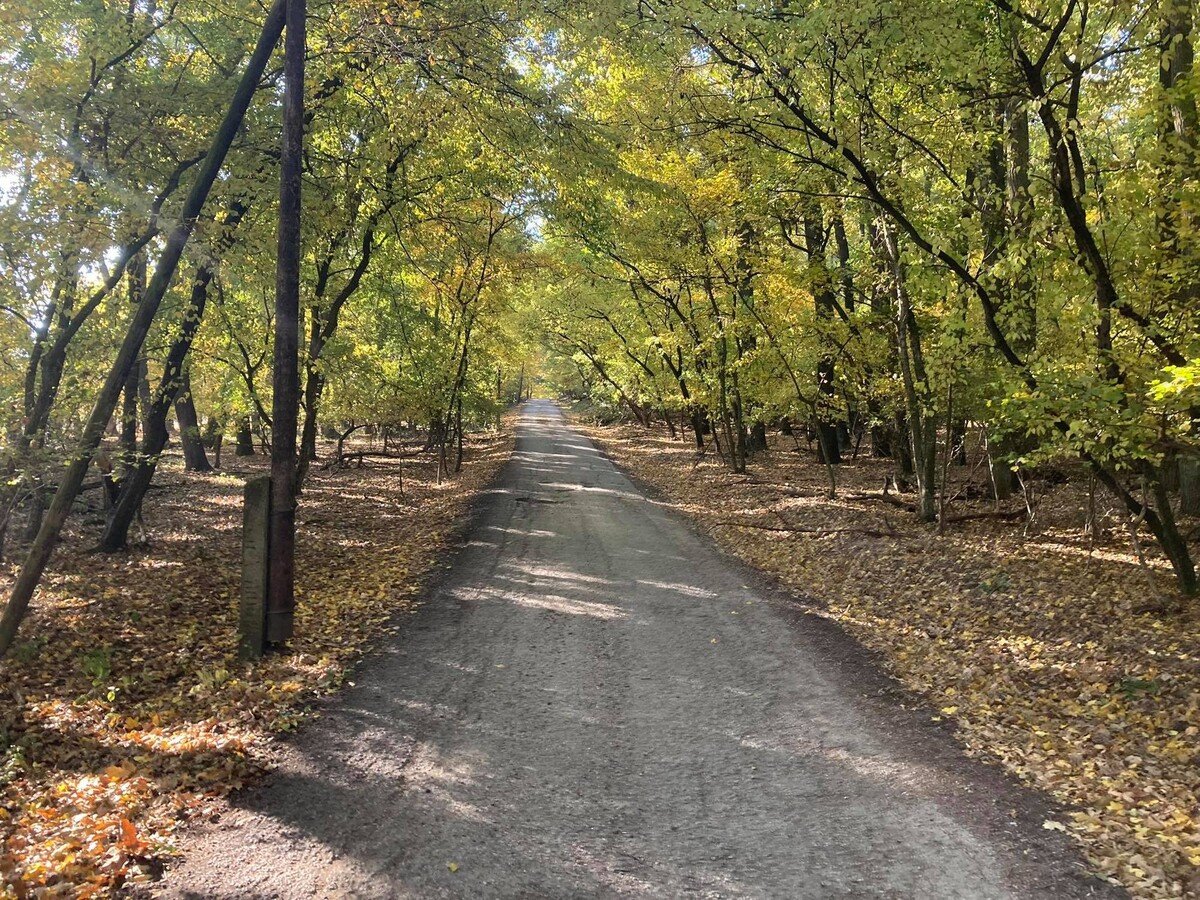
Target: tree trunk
[[724, 405], [174, 385], [129, 420], [1003, 478], [905, 467], [458, 427], [958, 443], [921, 425], [1173, 543], [1189, 486], [823, 296], [244, 437], [194, 457], [882, 440], [214, 428], [700, 426], [313, 386], [136, 278], [35, 511], [758, 437], [739, 423]]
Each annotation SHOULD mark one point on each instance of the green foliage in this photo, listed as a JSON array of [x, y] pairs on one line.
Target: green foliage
[[96, 664]]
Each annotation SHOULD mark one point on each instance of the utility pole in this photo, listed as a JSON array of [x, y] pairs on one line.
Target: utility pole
[[281, 599]]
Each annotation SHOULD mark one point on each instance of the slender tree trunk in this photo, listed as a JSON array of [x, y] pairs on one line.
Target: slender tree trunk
[[739, 423], [700, 426], [313, 386], [1189, 486], [1173, 542], [958, 442], [823, 297], [136, 277], [758, 437], [906, 469], [921, 424], [137, 481], [173, 383], [458, 427], [324, 323], [129, 420], [216, 441], [723, 401], [1007, 220], [35, 511], [1178, 126], [213, 429], [499, 399], [846, 276]]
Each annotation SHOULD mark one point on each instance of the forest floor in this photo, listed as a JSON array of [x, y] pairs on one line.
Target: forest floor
[[123, 709], [1063, 658]]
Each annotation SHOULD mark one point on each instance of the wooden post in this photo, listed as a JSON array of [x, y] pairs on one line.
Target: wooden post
[[256, 555]]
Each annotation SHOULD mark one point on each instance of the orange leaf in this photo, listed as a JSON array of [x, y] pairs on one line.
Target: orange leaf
[[130, 842]]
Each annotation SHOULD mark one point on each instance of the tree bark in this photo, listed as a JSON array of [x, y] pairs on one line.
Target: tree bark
[[823, 298], [136, 278], [1189, 486], [194, 457], [921, 425], [173, 383], [244, 437]]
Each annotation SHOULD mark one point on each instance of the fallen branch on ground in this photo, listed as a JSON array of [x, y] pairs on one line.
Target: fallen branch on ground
[[885, 497], [359, 455], [988, 514], [799, 529]]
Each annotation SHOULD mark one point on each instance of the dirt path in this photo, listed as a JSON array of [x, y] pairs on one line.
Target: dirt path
[[596, 702]]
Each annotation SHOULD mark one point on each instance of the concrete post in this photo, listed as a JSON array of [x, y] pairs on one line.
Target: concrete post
[[256, 556]]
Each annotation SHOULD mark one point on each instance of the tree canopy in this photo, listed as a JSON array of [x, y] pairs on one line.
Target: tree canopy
[[905, 219]]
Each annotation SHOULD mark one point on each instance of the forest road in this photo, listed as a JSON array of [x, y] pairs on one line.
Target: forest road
[[594, 701]]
